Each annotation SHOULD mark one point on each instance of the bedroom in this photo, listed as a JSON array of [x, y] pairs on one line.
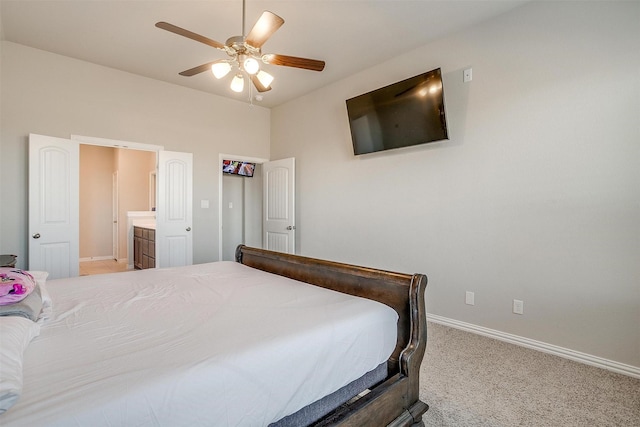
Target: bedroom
[[534, 197]]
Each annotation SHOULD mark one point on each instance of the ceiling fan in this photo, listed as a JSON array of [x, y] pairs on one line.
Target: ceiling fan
[[245, 53]]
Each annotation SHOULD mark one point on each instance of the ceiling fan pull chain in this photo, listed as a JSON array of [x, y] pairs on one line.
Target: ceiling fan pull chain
[[243, 20]]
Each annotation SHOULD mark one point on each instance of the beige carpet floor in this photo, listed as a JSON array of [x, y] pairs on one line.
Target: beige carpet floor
[[473, 381]]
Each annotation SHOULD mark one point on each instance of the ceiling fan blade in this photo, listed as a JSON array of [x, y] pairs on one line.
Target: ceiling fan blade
[[293, 61], [259, 85], [190, 35], [199, 69], [266, 25]]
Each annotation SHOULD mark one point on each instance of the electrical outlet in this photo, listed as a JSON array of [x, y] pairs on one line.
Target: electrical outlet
[[469, 298], [518, 306]]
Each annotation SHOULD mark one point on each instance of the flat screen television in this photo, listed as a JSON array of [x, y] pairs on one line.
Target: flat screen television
[[236, 167], [403, 114]]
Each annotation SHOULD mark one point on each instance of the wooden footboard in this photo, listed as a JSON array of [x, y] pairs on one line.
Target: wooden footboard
[[394, 402]]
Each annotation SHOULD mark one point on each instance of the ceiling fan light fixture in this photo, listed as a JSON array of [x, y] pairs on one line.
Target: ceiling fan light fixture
[[220, 69], [237, 84], [251, 66], [245, 53], [265, 78]]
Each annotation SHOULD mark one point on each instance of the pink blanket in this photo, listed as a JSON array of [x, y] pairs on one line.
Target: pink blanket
[[15, 285]]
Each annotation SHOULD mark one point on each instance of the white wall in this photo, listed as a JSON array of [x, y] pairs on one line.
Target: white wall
[[55, 95], [536, 196]]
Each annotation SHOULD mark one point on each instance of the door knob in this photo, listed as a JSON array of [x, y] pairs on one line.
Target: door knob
[[188, 228], [36, 236], [291, 228]]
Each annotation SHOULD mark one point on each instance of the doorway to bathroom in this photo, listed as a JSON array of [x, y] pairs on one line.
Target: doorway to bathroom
[[113, 181]]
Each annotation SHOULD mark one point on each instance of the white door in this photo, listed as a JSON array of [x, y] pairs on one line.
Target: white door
[[174, 209], [54, 205], [278, 221]]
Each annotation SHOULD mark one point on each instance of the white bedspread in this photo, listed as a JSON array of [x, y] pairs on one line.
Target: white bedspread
[[208, 345]]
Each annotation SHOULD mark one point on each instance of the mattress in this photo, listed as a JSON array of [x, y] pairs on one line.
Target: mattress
[[212, 344]]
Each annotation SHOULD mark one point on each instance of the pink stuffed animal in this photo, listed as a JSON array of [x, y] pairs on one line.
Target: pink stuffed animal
[[15, 285]]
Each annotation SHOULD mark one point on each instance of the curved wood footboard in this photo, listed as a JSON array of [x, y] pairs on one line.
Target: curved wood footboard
[[395, 401]]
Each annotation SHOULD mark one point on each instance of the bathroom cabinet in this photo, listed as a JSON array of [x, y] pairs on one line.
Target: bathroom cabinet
[[144, 248]]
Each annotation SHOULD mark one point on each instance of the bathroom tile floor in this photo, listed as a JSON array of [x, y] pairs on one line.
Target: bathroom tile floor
[[89, 268]]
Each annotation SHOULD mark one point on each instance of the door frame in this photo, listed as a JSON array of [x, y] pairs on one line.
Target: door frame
[[114, 143], [221, 157]]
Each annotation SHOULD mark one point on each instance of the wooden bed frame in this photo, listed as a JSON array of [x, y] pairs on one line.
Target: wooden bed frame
[[395, 401]]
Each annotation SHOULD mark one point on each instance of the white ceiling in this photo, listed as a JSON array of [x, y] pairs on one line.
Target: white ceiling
[[348, 35]]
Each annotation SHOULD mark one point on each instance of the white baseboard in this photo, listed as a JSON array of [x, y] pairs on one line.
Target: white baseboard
[[96, 258], [621, 368]]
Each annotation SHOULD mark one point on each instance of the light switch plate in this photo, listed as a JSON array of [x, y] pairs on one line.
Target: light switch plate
[[469, 298], [467, 75]]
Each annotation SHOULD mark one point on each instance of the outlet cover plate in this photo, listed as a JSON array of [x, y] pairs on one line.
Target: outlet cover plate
[[469, 298], [518, 306]]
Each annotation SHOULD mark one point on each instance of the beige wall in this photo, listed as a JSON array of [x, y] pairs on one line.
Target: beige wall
[[54, 95], [97, 165], [134, 167], [1, 148], [535, 196]]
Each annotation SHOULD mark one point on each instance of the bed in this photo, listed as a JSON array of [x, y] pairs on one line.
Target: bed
[[272, 339]]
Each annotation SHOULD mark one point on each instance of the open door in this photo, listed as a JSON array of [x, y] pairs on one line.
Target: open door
[[174, 241], [278, 221], [54, 192]]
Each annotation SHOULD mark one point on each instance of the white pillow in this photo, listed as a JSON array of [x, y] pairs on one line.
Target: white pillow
[[15, 334]]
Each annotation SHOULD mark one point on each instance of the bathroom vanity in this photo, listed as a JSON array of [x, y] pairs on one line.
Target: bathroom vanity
[[144, 247]]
